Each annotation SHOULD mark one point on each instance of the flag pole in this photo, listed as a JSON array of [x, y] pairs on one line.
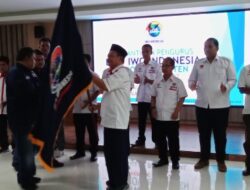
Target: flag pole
[[91, 105]]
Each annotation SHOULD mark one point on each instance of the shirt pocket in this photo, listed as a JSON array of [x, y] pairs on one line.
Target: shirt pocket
[[201, 73], [220, 73], [151, 73], [172, 93]]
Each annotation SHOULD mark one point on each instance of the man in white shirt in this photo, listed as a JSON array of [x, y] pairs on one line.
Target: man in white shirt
[[244, 87], [4, 67], [212, 77], [115, 109], [168, 95], [83, 117], [145, 74]]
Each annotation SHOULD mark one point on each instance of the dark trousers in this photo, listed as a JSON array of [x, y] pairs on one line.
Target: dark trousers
[[216, 121], [246, 145], [116, 151], [60, 140], [3, 132], [82, 121], [144, 109], [167, 133], [23, 159]]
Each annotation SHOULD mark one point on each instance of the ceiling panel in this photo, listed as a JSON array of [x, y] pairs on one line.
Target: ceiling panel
[[45, 10], [7, 6]]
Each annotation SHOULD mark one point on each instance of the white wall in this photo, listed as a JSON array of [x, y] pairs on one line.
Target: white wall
[[187, 113]]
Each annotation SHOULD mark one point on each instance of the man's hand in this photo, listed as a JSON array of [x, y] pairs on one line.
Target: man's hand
[[193, 86], [154, 112], [137, 79], [92, 107], [174, 115], [223, 88], [147, 80]]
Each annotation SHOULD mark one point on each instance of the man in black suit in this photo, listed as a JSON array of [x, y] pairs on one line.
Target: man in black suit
[[22, 94]]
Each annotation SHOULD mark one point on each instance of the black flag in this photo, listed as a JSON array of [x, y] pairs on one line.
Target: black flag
[[65, 76]]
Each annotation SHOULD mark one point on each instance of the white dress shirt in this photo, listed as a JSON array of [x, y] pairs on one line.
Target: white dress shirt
[[168, 93], [84, 97], [208, 78], [3, 110], [107, 71], [244, 81], [106, 74], [115, 104], [152, 72]]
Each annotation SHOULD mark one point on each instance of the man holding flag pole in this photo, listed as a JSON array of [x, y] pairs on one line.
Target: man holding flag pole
[[66, 77], [115, 117]]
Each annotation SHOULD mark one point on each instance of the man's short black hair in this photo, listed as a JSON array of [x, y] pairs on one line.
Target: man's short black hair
[[38, 52], [25, 52], [87, 57], [171, 61], [4, 59], [214, 41], [44, 39], [147, 46]]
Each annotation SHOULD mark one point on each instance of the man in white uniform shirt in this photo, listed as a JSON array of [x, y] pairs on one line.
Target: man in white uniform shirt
[[4, 67], [84, 117], [115, 109], [244, 87], [212, 77], [168, 95], [145, 74]]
